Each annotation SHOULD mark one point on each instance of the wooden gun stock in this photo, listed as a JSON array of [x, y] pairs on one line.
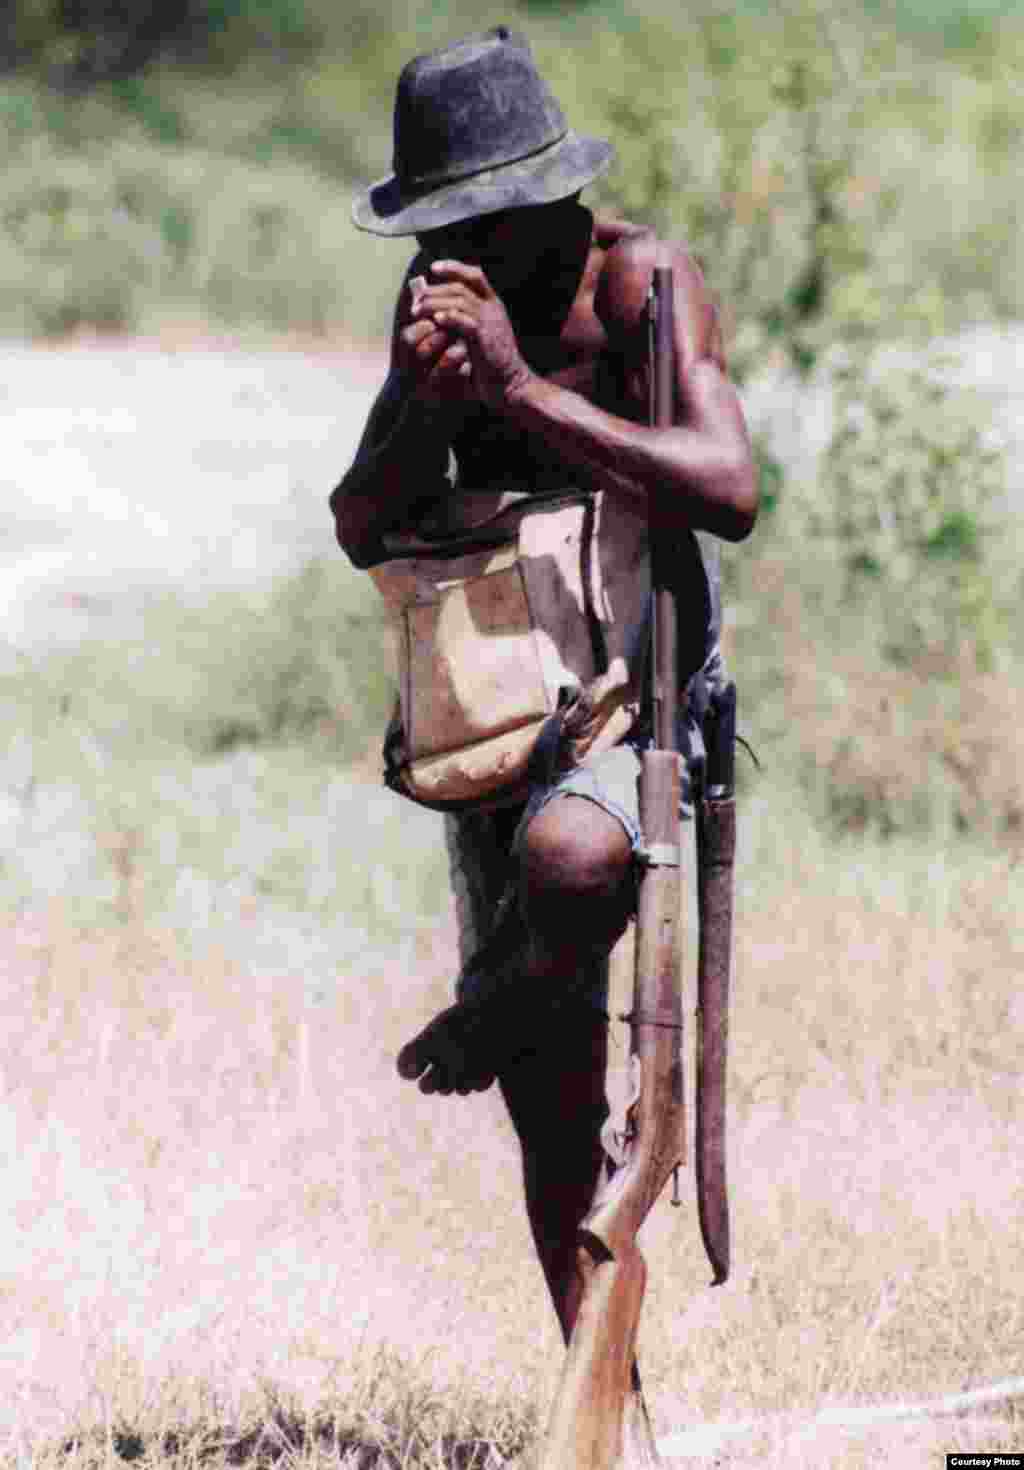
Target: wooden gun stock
[[599, 1421]]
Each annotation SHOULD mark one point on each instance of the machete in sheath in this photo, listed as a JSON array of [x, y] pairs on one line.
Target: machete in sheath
[[716, 847]]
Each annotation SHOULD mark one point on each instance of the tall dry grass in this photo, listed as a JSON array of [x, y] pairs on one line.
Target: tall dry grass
[[226, 1217]]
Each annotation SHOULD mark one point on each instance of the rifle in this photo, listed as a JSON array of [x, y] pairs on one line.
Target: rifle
[[599, 1421]]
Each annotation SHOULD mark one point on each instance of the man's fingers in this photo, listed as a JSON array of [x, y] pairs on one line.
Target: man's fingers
[[430, 346], [425, 340], [447, 368], [410, 1061], [456, 353], [429, 338], [433, 348], [417, 331], [452, 362], [438, 298], [471, 275], [454, 318]]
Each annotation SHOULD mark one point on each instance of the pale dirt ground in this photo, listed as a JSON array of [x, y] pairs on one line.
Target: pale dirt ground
[[133, 465], [128, 465]]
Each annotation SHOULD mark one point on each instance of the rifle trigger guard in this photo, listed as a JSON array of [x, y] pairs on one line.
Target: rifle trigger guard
[[659, 855]]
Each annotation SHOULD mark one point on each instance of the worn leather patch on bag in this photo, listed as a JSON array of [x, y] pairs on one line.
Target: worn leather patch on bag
[[473, 668]]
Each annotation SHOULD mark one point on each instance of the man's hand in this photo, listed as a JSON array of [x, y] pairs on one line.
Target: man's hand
[[461, 301], [435, 362]]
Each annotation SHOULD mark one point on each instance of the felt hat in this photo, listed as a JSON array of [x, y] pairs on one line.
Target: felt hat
[[477, 129]]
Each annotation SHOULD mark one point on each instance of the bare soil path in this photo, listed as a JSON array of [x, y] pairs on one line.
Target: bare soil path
[[129, 465]]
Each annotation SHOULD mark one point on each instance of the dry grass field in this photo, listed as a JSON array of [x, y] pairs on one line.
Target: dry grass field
[[223, 1206]]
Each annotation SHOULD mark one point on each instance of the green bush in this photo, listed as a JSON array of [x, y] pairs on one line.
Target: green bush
[[908, 507], [124, 233], [874, 615]]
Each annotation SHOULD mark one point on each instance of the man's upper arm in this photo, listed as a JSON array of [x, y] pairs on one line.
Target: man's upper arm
[[621, 304], [382, 418], [361, 490], [387, 406], [706, 400], [375, 497]]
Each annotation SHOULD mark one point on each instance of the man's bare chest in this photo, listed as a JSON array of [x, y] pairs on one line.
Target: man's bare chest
[[584, 360]]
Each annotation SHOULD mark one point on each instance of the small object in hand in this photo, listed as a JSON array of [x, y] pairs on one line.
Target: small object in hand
[[417, 285]]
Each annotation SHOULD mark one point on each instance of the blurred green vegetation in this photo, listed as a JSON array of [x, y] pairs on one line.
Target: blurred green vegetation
[[875, 613], [214, 756], [839, 170], [908, 516]]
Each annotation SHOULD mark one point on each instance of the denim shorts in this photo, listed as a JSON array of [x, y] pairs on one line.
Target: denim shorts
[[609, 781]]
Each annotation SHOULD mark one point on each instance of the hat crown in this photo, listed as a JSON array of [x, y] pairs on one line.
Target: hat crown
[[475, 105]]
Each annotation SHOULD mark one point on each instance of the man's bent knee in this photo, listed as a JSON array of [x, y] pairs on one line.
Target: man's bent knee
[[577, 875]]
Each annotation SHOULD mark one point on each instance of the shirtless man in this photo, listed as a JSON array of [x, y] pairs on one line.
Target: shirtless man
[[520, 345]]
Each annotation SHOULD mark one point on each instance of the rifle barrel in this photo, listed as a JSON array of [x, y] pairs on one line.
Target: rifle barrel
[[663, 403]]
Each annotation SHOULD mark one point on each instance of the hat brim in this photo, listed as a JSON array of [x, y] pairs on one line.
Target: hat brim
[[543, 178]]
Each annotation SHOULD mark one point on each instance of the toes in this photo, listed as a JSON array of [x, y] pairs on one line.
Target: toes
[[446, 1079], [443, 1056], [412, 1060], [427, 1047], [429, 1081], [437, 1080], [480, 1083]]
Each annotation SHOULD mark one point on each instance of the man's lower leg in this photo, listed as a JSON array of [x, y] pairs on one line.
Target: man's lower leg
[[556, 1100]]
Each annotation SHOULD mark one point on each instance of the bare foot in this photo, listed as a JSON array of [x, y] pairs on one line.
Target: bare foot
[[455, 1052], [462, 1049]]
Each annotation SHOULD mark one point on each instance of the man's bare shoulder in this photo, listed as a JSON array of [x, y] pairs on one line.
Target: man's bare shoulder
[[626, 276]]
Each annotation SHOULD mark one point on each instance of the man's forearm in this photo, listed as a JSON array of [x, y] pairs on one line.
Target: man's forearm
[[697, 478]]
